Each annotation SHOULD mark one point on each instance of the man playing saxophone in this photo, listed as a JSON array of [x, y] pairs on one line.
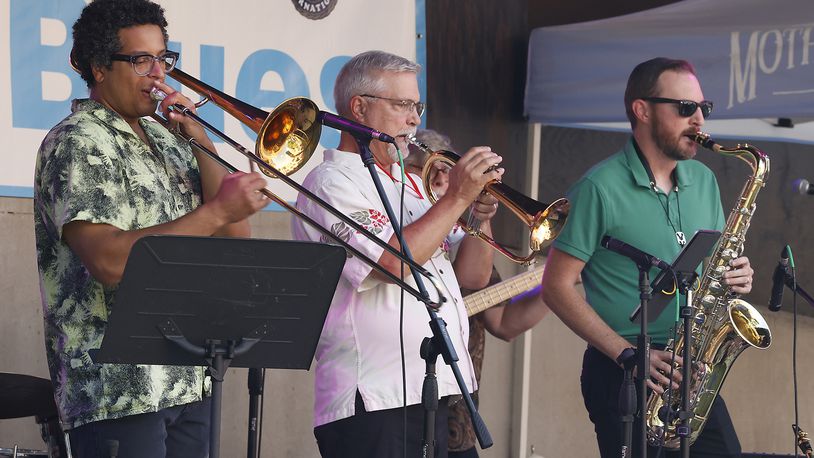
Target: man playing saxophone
[[649, 194]]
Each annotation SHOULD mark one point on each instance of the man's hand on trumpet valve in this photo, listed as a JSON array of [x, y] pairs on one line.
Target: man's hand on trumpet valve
[[472, 172], [484, 207]]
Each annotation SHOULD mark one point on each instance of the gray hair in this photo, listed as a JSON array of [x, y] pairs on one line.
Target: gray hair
[[362, 75], [434, 140]]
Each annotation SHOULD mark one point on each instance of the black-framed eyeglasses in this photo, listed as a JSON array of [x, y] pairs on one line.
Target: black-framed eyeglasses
[[143, 63], [686, 108], [407, 106]]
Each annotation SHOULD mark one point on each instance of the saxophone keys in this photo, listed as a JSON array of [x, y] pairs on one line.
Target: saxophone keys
[[729, 254], [717, 287], [654, 436], [708, 300], [700, 370], [719, 271]]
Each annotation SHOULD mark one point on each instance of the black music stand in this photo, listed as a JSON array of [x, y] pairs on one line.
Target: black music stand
[[686, 261], [220, 302], [680, 278]]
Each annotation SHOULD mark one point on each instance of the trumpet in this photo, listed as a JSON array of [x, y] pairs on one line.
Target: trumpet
[[545, 221]]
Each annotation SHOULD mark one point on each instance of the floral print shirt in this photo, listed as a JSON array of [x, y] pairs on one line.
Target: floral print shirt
[[93, 167], [359, 348]]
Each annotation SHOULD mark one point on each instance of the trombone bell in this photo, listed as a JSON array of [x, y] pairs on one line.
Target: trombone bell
[[286, 137], [289, 135]]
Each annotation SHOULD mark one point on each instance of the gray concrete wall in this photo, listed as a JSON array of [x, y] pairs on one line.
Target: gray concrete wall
[[758, 391]]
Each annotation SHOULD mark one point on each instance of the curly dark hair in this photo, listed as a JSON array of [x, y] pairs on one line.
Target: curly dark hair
[[644, 78], [96, 32]]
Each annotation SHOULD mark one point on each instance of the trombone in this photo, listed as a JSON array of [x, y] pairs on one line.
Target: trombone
[[286, 139], [545, 221]]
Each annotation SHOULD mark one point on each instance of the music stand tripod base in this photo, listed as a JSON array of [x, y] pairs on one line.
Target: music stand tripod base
[[221, 302]]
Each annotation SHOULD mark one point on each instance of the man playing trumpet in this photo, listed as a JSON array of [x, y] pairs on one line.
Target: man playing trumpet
[[505, 320], [359, 387]]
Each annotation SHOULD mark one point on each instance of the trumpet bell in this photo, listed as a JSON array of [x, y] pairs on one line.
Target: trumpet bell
[[548, 224], [289, 135]]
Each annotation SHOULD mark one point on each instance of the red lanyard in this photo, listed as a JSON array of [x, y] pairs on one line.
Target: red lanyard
[[413, 184]]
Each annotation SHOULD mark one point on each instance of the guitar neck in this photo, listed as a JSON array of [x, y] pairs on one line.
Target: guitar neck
[[499, 292]]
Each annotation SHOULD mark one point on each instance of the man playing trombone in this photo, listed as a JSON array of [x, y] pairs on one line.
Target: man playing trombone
[[104, 178], [359, 386]]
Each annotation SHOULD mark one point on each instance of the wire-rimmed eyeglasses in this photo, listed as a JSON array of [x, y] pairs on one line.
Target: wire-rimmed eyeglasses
[[406, 106]]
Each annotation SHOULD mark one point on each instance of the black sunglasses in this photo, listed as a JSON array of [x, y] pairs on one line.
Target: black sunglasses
[[686, 108]]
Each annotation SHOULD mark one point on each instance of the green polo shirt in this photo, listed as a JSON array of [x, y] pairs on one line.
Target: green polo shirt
[[615, 198]]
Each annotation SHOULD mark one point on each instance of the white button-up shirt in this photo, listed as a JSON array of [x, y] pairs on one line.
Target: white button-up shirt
[[359, 348]]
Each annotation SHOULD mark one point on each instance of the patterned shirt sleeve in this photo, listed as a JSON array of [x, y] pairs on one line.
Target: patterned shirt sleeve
[[85, 181]]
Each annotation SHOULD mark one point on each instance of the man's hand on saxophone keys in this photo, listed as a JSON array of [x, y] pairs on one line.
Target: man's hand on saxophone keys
[[739, 275], [660, 370]]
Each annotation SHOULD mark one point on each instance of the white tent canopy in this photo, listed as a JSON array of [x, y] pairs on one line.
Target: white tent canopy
[[755, 60]]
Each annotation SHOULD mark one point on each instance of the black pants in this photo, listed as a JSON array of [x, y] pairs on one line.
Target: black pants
[[180, 431], [601, 379], [471, 453], [380, 434]]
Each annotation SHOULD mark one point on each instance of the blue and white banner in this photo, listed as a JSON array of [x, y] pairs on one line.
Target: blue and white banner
[[261, 52], [754, 58]]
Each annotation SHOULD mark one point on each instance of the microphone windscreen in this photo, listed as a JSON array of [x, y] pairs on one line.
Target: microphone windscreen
[[800, 186]]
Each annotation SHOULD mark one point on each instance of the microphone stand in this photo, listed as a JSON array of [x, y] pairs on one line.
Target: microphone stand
[[627, 392], [684, 285], [789, 281], [438, 344], [685, 281], [627, 404], [256, 380]]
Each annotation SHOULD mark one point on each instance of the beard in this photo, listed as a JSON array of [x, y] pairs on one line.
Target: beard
[[393, 153], [670, 144]]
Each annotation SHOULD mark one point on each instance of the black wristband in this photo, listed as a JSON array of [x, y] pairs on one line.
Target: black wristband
[[626, 355]]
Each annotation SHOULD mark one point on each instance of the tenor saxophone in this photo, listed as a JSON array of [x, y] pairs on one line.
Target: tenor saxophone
[[722, 325]]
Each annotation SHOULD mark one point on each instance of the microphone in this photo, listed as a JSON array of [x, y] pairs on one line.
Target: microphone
[[802, 186], [638, 256], [360, 131], [779, 280]]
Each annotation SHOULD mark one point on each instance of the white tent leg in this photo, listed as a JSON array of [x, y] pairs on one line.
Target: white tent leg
[[522, 347]]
